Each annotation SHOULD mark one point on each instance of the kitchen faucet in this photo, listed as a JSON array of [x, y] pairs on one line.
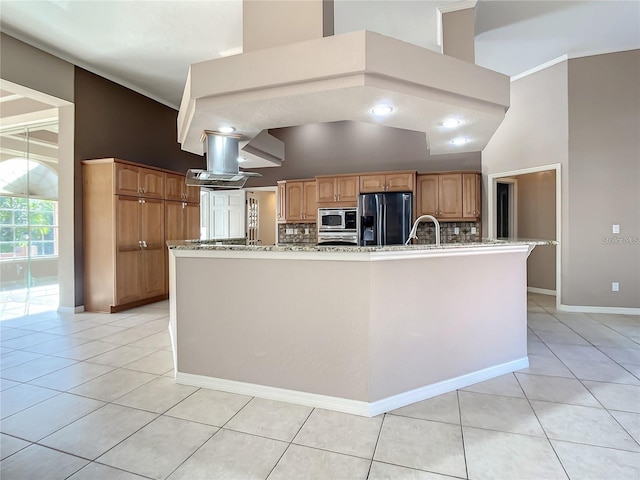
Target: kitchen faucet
[[413, 235]]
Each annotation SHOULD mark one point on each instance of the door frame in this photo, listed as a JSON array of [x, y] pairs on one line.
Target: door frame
[[492, 180], [273, 189], [513, 206]]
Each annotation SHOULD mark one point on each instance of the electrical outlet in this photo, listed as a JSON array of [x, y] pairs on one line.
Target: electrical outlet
[[289, 231], [615, 229], [474, 230], [456, 230], [306, 231], [615, 287]]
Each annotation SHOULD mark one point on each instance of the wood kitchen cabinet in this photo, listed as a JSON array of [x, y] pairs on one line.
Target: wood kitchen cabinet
[[176, 189], [471, 196], [281, 210], [449, 196], [138, 181], [338, 191], [126, 221], [387, 182], [300, 201]]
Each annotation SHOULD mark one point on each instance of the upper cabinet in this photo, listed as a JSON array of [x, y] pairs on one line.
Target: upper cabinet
[[387, 182], [338, 191], [139, 181], [281, 212], [449, 196], [300, 201], [471, 198], [177, 189]]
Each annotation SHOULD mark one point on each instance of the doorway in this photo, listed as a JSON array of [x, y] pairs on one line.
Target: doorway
[[29, 240], [527, 204], [506, 208], [261, 216]]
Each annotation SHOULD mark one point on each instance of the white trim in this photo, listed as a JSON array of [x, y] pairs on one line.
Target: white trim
[[541, 291], [346, 405], [542, 66], [491, 214], [594, 309], [452, 7]]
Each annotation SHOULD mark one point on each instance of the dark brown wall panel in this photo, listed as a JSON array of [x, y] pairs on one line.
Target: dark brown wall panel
[[113, 121]]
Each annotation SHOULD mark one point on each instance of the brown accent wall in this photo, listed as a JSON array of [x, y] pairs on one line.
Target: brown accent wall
[[114, 121], [353, 147], [537, 219], [604, 180]]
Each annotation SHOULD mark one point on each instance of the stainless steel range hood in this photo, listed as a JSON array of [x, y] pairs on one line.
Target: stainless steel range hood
[[222, 163]]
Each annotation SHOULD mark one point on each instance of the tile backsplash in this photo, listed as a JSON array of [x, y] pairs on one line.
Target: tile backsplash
[[426, 232], [297, 233]]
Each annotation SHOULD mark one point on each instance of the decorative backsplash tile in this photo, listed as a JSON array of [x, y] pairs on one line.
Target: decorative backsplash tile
[[427, 232], [297, 233]]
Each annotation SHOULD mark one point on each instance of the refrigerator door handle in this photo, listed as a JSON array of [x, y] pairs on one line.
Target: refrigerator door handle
[[384, 223], [380, 225]]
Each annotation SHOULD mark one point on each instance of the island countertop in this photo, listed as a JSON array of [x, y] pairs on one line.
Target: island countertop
[[222, 245]]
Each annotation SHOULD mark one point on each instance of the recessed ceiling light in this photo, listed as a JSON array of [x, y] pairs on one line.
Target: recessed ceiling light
[[459, 141], [451, 123], [226, 129], [382, 110], [241, 159]]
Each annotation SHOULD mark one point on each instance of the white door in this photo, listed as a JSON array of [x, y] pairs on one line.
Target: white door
[[226, 214]]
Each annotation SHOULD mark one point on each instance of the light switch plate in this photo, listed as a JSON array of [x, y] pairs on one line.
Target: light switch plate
[[456, 230], [615, 287], [616, 229], [474, 230], [289, 231]]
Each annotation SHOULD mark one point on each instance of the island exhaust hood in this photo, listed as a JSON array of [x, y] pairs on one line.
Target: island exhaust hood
[[222, 163]]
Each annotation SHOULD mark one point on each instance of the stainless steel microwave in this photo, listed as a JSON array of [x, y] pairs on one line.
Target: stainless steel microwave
[[338, 219]]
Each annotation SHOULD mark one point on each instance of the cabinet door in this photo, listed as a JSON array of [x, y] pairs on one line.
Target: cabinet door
[[151, 183], [450, 196], [173, 187], [152, 269], [399, 182], [128, 249], [191, 194], [310, 204], [127, 179], [427, 195], [372, 183], [281, 214], [471, 195], [191, 221], [173, 221], [348, 189], [326, 190], [294, 201], [237, 208]]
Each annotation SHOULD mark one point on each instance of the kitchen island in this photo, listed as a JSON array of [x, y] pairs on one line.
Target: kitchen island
[[362, 330]]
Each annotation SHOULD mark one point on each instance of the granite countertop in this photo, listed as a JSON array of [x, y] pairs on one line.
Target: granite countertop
[[227, 244]]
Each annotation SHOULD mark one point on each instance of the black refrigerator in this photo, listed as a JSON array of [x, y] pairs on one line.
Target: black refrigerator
[[385, 218]]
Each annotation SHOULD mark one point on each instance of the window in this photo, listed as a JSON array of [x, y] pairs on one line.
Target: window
[[28, 227]]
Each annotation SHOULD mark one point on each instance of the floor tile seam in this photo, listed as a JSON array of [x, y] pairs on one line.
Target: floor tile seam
[[418, 418], [596, 398], [35, 332], [608, 447], [116, 468], [113, 399], [375, 447], [163, 413], [236, 414], [446, 475], [288, 442], [52, 353], [602, 407], [2, 368], [58, 354], [488, 394], [192, 453], [302, 425], [89, 360], [600, 347], [59, 451], [75, 386], [75, 362], [360, 457], [464, 449], [58, 392]]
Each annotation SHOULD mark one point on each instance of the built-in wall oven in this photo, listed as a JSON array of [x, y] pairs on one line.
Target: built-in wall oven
[[338, 226]]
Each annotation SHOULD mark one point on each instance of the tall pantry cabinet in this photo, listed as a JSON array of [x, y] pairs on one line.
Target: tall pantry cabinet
[[124, 232]]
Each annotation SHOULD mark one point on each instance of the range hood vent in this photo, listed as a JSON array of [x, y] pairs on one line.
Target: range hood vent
[[222, 164]]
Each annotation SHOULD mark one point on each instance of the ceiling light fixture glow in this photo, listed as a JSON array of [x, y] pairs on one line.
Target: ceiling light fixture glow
[[459, 141], [382, 110], [226, 129], [451, 123], [241, 159]]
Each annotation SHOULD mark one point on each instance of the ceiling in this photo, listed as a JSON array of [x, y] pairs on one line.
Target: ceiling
[[149, 45]]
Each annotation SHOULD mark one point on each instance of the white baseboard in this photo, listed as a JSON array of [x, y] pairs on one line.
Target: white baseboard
[[592, 309], [78, 309], [346, 405], [541, 291]]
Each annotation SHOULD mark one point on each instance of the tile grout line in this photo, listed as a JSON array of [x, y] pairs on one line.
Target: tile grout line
[[464, 449]]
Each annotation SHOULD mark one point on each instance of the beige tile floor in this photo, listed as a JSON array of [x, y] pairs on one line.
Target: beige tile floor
[[91, 396]]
